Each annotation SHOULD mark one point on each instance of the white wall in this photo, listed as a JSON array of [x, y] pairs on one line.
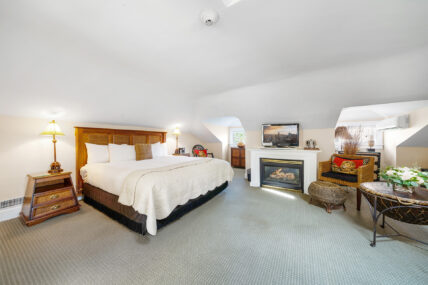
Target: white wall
[[186, 140], [222, 134], [324, 139], [412, 156], [215, 148], [418, 119], [23, 150]]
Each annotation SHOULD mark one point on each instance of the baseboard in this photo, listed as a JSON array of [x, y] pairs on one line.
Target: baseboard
[[10, 212]]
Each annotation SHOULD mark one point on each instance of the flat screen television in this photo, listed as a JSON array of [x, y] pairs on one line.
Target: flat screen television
[[280, 135]]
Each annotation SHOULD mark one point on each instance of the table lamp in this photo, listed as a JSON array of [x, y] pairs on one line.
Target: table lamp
[[176, 132], [54, 130]]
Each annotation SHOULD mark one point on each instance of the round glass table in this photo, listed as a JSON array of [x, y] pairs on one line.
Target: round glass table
[[405, 207]]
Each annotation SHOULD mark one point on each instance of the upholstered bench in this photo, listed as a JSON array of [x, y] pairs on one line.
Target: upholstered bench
[[328, 193]]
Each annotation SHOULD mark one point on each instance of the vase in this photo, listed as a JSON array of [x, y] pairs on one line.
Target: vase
[[401, 188], [241, 145]]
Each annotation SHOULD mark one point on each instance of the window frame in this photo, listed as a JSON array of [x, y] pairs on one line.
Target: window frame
[[233, 130]]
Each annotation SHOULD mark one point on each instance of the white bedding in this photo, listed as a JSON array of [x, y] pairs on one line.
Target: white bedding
[[154, 187], [111, 176]]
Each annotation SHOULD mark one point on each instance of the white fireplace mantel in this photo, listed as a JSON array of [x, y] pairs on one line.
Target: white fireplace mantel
[[309, 157]]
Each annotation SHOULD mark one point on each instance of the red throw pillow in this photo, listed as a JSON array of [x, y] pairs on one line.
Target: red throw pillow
[[201, 153], [338, 161], [348, 166]]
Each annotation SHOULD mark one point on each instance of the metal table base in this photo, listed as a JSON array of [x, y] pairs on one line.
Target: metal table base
[[376, 217]]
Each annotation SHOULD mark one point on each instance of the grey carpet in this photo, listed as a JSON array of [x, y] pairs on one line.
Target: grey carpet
[[242, 236]]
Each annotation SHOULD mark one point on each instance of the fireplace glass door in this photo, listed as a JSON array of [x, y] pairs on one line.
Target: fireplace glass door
[[281, 173]]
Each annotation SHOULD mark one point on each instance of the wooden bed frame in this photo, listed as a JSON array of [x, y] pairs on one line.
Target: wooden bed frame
[[107, 202], [106, 136]]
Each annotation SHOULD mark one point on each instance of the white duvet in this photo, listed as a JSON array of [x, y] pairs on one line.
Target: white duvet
[[154, 187]]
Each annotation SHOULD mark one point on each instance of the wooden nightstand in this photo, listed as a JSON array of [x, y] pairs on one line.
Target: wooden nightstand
[[181, 154], [47, 196]]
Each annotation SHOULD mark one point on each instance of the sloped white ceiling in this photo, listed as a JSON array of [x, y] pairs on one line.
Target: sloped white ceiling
[[153, 63], [380, 111], [224, 121], [420, 139]]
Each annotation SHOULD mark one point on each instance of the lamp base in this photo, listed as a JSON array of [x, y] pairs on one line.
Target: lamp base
[[55, 168]]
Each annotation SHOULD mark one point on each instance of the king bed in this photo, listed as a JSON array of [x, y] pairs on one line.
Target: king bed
[[144, 194]]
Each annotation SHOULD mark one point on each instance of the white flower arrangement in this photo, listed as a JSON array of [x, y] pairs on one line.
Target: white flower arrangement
[[405, 177]]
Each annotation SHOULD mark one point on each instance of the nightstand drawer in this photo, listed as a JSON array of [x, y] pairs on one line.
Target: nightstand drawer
[[45, 210], [53, 196]]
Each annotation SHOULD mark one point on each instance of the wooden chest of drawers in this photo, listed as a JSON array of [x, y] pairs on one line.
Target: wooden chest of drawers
[[237, 157], [47, 196]]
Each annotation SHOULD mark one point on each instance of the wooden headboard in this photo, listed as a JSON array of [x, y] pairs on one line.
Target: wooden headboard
[[106, 136]]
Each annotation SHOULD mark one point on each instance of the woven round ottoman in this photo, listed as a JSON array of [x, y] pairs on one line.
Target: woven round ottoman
[[330, 194]]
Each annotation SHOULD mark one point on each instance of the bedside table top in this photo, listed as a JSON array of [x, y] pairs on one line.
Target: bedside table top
[[46, 174]]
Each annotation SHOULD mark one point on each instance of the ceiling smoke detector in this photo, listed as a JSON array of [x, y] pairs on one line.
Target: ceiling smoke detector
[[209, 17]]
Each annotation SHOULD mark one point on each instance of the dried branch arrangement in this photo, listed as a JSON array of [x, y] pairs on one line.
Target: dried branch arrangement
[[352, 144], [342, 132]]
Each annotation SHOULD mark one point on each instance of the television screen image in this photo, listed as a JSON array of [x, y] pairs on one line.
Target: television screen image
[[281, 135]]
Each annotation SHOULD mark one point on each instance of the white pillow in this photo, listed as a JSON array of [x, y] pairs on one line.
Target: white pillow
[[121, 152], [164, 149], [97, 153], [155, 149], [159, 149]]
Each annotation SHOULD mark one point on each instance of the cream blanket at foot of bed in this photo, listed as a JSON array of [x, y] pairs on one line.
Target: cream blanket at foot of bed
[[156, 192]]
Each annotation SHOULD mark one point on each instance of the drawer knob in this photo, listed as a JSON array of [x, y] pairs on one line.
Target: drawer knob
[[54, 196], [55, 207]]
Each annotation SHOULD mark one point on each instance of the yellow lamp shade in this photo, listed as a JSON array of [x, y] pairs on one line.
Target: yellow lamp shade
[[53, 129], [176, 131]]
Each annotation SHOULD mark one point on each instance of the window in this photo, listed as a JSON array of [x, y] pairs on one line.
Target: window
[[369, 132], [236, 135]]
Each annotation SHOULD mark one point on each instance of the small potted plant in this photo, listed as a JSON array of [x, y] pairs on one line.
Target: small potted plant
[[405, 179]]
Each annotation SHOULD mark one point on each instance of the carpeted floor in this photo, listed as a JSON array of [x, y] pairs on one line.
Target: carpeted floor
[[242, 236]]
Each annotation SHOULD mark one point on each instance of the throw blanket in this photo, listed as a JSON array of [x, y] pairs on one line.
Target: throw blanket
[[156, 192]]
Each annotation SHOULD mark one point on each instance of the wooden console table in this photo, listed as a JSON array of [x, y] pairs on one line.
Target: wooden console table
[[404, 207]]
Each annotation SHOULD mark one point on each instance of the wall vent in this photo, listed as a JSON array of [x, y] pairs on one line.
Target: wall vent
[[400, 122], [11, 202]]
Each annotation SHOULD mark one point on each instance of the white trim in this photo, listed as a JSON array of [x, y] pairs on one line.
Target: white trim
[[10, 212]]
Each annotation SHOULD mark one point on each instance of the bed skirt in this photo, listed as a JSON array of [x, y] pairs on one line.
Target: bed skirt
[[126, 215]]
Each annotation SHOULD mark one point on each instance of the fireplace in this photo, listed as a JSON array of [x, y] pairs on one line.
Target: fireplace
[[281, 173]]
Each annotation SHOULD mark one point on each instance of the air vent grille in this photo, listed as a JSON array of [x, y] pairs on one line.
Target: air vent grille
[[11, 202]]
